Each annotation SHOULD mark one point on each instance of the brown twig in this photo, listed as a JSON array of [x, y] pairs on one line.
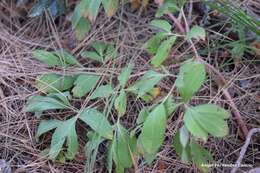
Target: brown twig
[[244, 148], [220, 78]]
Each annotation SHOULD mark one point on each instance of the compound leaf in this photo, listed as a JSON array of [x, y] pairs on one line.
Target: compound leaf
[[207, 118], [59, 136]]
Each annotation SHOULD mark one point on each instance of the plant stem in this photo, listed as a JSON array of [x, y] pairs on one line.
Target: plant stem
[[228, 97]]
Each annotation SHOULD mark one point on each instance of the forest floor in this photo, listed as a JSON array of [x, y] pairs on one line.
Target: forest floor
[[21, 35]]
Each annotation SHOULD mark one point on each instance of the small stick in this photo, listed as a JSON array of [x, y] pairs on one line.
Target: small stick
[[244, 148]]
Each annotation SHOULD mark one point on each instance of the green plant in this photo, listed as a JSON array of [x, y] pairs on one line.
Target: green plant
[[54, 7], [148, 134], [86, 12], [237, 14]]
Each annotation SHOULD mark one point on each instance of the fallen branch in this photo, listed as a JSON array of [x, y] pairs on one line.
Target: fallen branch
[[244, 148], [220, 78]]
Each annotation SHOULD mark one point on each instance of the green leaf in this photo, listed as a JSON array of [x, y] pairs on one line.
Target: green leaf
[[151, 94], [166, 7], [152, 45], [236, 13], [57, 7], [72, 143], [76, 16], [50, 83], [200, 156], [183, 152], [177, 143], [21, 3], [163, 51], [152, 134], [93, 8], [162, 24], [100, 47], [184, 136], [92, 55], [47, 125], [47, 58], [59, 136], [98, 122], [180, 3], [125, 74], [207, 118], [143, 114], [63, 97], [102, 91], [82, 28], [66, 57], [61, 157], [191, 77], [84, 6], [42, 103], [146, 83], [196, 32], [121, 103], [103, 52], [110, 157], [121, 148], [110, 6], [39, 8], [84, 84], [170, 106], [110, 52], [238, 50], [94, 140]]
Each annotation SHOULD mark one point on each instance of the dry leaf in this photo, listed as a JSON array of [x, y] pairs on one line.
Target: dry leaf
[[136, 4], [256, 47]]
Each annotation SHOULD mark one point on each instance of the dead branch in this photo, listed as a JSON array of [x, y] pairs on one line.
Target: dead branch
[[244, 148]]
